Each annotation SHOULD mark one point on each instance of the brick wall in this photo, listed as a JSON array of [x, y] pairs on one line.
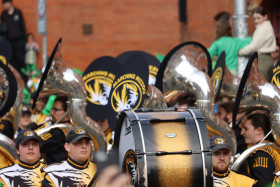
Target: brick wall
[[118, 26]]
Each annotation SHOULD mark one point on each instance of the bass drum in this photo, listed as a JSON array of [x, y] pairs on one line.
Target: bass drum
[[164, 147]]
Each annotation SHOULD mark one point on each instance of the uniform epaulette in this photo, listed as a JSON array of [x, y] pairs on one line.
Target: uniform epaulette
[[274, 153]]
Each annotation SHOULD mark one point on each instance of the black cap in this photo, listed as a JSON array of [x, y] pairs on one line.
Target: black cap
[[25, 109], [76, 134], [4, 1], [25, 135], [218, 142]]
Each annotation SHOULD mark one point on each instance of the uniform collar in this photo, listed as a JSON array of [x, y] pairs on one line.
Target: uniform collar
[[221, 175], [29, 166], [76, 165]]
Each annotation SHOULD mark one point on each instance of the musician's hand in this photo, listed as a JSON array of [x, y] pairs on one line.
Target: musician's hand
[[82, 184], [111, 177]]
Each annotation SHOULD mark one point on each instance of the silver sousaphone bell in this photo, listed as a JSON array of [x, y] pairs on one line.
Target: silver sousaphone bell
[[61, 80], [256, 92], [185, 73]]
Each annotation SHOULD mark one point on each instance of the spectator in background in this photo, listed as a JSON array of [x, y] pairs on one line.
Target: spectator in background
[[276, 54], [225, 42], [16, 33], [32, 49], [263, 42], [5, 46]]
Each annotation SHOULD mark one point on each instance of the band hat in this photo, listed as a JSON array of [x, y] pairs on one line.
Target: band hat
[[26, 109], [26, 135], [76, 134], [218, 142]]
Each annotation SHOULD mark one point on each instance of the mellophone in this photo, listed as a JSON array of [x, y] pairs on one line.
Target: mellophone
[[164, 147]]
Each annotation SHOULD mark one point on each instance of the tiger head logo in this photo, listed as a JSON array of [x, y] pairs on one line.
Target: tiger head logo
[[98, 91], [126, 96]]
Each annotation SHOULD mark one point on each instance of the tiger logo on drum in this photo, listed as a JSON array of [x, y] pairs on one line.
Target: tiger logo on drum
[[130, 165], [98, 85], [128, 92]]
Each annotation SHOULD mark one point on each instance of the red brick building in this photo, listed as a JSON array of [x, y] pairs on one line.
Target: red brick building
[[113, 27]]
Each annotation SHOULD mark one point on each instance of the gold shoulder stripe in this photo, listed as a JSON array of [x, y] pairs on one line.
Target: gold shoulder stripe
[[46, 136]]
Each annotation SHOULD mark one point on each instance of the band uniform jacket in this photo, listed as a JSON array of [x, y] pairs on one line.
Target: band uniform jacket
[[231, 179], [52, 149], [22, 174], [263, 163], [53, 146], [7, 128], [68, 173]]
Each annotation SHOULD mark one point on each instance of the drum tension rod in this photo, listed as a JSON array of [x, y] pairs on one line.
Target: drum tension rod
[[186, 152]]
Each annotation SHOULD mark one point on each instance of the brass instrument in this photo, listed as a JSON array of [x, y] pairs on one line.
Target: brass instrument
[[258, 93], [154, 99], [185, 74], [8, 153], [59, 125], [61, 80], [16, 110], [11, 95]]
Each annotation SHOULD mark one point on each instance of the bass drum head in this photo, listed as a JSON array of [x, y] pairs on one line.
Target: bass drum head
[[164, 148]]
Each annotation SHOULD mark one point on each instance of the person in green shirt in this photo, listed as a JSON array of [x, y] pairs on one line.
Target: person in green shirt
[[225, 42]]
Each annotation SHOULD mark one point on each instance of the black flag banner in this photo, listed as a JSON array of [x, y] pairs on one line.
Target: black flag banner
[[218, 74], [98, 79], [152, 61]]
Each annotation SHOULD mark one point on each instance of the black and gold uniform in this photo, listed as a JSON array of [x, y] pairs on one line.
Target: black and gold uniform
[[7, 128], [231, 179], [53, 146], [52, 149], [22, 174], [263, 163], [276, 182], [40, 118], [68, 173]]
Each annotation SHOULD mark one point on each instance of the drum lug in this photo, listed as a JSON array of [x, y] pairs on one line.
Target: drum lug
[[127, 129]]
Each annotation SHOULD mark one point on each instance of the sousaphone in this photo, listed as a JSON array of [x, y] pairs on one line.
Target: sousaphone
[[61, 80], [184, 72], [8, 95], [255, 92]]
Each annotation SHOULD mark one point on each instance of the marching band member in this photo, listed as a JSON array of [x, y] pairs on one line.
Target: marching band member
[[77, 169], [28, 172], [263, 162], [25, 118], [221, 153], [37, 116], [53, 141]]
